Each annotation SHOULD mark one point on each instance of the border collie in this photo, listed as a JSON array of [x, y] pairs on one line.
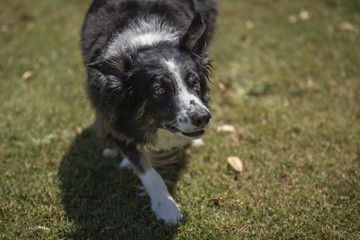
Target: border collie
[[147, 72]]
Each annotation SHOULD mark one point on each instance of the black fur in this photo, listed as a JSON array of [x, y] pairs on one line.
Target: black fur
[[117, 101], [147, 74]]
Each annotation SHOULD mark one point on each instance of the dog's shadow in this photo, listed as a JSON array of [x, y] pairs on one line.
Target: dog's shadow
[[102, 200]]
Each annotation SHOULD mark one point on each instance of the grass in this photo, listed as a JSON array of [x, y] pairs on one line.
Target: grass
[[292, 91]]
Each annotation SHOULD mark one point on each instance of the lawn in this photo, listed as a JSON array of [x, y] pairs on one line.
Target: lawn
[[286, 77]]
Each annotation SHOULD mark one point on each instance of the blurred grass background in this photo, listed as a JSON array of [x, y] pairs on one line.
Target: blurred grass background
[[286, 77]]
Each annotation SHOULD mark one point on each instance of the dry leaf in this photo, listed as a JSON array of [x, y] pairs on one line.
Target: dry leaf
[[292, 19], [249, 25], [348, 27], [4, 28], [221, 86], [304, 15], [43, 228], [225, 128], [235, 163], [79, 130], [310, 82], [330, 29], [27, 74], [246, 39], [107, 228], [286, 103]]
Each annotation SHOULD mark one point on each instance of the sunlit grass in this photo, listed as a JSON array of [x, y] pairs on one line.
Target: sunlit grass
[[291, 90]]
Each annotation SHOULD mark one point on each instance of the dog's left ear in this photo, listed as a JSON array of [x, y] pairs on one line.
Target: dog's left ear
[[194, 38]]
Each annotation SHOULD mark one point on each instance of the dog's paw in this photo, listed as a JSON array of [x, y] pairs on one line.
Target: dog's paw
[[125, 164], [110, 153], [167, 210]]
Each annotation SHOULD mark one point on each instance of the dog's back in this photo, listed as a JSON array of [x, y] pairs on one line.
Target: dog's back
[[107, 17]]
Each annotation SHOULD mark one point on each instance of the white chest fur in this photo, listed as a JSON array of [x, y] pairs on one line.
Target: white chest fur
[[167, 140]]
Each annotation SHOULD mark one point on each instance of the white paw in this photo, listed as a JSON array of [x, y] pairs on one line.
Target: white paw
[[125, 164], [162, 202], [110, 153], [167, 210], [197, 142]]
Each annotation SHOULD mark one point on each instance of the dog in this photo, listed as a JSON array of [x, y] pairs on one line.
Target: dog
[[147, 79]]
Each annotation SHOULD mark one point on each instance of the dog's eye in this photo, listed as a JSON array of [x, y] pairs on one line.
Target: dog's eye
[[196, 84], [160, 91]]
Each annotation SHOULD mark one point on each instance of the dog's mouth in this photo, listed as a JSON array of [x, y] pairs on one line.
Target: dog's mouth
[[192, 134]]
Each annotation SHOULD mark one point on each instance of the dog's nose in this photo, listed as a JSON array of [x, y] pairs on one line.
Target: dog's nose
[[200, 119]]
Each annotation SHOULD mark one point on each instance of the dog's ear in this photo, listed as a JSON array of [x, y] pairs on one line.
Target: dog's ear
[[113, 88], [102, 66], [194, 38], [113, 67]]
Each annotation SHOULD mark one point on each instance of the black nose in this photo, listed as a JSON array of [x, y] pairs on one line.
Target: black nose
[[200, 118]]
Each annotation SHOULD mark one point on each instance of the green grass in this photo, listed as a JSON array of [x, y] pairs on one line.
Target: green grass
[[292, 93]]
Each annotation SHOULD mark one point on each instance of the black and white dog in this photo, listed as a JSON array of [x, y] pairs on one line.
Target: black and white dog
[[147, 70]]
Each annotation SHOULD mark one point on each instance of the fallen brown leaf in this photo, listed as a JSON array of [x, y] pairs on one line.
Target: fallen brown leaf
[[221, 86], [27, 74], [304, 15], [79, 130], [292, 19], [286, 103], [225, 128], [310, 82], [235, 163], [43, 228], [330, 29], [348, 27], [249, 25], [246, 39], [4, 28]]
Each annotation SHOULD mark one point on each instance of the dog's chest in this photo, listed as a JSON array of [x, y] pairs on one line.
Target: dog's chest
[[167, 141], [166, 150]]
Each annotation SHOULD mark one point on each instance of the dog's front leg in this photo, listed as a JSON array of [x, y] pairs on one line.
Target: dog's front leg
[[162, 203]]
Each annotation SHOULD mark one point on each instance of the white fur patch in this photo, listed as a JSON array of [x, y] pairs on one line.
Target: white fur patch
[[162, 203], [125, 163], [197, 142], [143, 31], [110, 153]]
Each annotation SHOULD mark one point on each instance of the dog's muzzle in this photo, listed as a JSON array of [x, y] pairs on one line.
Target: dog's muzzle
[[194, 126], [199, 118]]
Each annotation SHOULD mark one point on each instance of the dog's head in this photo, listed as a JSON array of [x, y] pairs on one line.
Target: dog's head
[[156, 86]]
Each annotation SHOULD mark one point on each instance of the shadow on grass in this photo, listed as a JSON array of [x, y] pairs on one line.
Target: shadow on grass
[[102, 200]]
